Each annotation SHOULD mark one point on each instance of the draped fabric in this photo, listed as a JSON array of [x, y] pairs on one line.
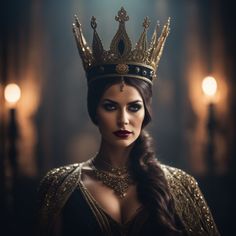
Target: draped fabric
[[95, 221], [63, 195]]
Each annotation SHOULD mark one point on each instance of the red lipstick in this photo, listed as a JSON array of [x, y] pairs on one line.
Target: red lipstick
[[122, 133]]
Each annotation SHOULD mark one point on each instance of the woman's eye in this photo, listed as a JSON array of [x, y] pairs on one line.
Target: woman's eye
[[135, 107], [109, 107]]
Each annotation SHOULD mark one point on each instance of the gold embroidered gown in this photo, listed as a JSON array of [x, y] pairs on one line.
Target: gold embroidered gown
[[62, 194]]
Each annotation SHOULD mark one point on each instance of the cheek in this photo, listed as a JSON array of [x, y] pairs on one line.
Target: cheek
[[105, 119], [138, 120]]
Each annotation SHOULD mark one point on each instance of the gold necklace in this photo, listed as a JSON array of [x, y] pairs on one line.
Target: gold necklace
[[117, 178], [114, 170]]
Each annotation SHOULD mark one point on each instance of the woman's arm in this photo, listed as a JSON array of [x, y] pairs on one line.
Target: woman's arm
[[190, 203], [54, 190]]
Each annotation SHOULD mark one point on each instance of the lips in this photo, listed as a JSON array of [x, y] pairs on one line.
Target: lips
[[122, 133]]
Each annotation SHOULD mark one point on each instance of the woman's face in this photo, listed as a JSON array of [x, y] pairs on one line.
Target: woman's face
[[120, 115]]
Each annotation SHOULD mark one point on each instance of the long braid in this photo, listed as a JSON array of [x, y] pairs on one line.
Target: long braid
[[152, 186]]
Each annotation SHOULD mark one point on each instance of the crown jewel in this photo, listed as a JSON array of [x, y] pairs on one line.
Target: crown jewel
[[121, 60]]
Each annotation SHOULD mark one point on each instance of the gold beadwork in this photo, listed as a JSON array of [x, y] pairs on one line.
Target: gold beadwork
[[182, 184], [194, 213], [122, 69], [143, 56], [116, 178]]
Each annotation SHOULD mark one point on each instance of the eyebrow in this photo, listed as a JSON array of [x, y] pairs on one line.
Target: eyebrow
[[109, 100]]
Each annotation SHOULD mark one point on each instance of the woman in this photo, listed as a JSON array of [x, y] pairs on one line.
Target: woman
[[123, 189]]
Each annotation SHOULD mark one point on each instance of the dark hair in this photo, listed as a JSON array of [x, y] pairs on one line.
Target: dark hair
[[152, 187]]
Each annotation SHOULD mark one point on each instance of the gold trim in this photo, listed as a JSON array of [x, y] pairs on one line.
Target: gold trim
[[122, 69], [190, 204], [117, 75], [98, 213], [125, 62], [145, 53]]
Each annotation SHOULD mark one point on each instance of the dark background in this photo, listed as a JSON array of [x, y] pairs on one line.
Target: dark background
[[51, 126]]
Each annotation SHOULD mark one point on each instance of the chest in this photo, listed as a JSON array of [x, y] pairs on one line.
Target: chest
[[121, 210]]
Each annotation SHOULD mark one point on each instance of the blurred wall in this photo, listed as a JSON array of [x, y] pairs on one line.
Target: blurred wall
[[38, 52]]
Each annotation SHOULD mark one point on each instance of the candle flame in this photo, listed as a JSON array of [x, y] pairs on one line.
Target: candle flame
[[12, 93], [209, 86]]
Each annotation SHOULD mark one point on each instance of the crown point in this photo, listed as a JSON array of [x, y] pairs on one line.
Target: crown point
[[93, 22], [73, 27], [146, 23], [77, 23], [167, 26], [168, 22], [122, 16], [142, 61]]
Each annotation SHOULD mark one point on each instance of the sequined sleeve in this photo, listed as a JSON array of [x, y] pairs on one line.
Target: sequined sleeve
[[190, 203], [54, 190]]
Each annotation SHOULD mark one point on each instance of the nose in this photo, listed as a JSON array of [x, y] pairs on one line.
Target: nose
[[123, 118]]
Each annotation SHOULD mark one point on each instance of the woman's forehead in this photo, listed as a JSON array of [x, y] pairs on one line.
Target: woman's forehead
[[128, 93]]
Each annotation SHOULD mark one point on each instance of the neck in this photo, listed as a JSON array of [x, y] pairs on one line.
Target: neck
[[114, 156]]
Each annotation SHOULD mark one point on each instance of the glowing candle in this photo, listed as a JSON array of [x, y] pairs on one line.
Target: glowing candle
[[209, 86], [12, 93]]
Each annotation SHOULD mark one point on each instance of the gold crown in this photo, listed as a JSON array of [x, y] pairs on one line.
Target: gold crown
[[121, 60]]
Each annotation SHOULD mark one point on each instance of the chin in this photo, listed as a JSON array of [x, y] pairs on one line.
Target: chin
[[122, 143]]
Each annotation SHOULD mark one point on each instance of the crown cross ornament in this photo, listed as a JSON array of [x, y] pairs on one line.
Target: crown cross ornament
[[121, 60]]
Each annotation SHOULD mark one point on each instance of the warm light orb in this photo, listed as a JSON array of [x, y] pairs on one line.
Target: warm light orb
[[209, 86], [12, 93]]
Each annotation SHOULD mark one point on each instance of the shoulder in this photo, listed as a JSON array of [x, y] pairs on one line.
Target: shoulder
[[175, 175], [58, 173], [182, 185], [189, 201], [53, 192], [55, 177], [59, 181]]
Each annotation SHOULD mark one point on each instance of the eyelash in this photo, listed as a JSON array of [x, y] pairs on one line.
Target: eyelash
[[109, 107], [112, 107], [135, 107]]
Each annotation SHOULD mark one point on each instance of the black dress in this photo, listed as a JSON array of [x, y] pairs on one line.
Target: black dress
[[94, 217], [63, 196]]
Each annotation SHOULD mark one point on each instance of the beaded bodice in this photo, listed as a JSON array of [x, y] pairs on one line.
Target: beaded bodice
[[191, 207]]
